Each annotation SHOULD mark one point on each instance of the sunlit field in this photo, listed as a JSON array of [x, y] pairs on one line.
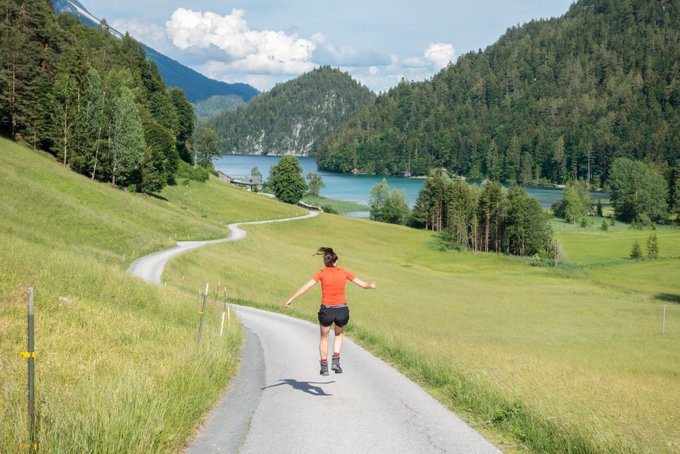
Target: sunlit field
[[554, 359]]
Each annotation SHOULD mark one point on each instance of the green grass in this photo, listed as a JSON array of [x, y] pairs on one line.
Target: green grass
[[593, 246], [118, 368], [340, 206], [545, 359], [552, 359]]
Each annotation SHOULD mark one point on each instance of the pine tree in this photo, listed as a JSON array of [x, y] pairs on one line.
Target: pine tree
[[525, 173], [491, 213], [652, 246], [494, 165], [512, 161], [185, 124], [636, 251]]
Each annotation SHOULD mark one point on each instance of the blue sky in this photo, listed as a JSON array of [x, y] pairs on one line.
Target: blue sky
[[263, 42]]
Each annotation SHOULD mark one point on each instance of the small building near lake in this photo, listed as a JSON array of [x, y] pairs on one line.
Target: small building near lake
[[247, 182]]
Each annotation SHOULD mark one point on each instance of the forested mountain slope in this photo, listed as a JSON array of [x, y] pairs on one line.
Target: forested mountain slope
[[293, 116], [196, 86], [549, 101], [92, 100]]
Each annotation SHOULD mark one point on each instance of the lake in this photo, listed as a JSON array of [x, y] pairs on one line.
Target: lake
[[356, 188]]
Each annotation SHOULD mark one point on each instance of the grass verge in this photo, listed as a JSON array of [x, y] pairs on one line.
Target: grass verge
[[118, 366]]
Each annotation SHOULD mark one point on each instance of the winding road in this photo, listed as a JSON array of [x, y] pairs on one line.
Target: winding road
[[278, 402]]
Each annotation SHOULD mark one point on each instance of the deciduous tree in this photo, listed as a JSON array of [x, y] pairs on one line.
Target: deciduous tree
[[285, 179]]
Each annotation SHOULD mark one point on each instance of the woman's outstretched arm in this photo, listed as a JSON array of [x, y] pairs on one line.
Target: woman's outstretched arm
[[302, 290], [366, 285]]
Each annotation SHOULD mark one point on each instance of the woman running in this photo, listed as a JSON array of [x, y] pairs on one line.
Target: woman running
[[333, 305]]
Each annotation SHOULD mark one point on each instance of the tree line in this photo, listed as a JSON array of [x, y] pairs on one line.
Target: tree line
[[551, 101], [639, 195], [95, 102], [485, 218]]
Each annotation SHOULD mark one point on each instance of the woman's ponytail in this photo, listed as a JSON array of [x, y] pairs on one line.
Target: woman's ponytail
[[329, 257]]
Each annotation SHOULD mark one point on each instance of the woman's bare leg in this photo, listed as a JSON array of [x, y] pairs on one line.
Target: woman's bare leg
[[337, 342], [323, 342]]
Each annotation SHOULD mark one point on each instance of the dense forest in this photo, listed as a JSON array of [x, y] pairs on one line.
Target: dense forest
[[94, 101], [293, 116], [212, 106], [550, 101]]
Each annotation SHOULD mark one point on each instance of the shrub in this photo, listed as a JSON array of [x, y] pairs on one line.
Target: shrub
[[189, 172], [652, 246], [636, 251]]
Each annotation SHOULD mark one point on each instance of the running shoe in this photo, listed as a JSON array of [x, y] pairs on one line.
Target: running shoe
[[336, 365]]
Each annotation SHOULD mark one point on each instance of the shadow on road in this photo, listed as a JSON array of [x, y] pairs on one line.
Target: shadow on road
[[304, 386]]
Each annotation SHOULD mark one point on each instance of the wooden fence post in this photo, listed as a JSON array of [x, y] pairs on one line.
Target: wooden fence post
[[202, 313], [663, 321]]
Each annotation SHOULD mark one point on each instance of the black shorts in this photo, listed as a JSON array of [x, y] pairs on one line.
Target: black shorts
[[329, 315]]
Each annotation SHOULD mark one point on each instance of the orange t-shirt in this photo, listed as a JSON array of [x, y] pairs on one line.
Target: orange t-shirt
[[333, 285]]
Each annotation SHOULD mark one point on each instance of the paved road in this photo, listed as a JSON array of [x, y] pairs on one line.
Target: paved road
[[150, 268], [278, 403]]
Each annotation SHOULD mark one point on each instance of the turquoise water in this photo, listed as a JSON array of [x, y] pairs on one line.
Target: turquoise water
[[355, 188]]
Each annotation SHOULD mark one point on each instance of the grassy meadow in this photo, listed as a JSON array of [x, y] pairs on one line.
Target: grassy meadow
[[118, 368], [340, 206], [566, 359]]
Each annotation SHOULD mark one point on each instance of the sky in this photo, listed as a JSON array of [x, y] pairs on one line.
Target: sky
[[264, 42]]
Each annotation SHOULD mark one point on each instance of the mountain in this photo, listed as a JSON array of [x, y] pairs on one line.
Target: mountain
[[196, 86], [294, 116], [207, 108], [549, 101]]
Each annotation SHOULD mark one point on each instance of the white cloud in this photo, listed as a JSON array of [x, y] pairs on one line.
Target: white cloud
[[224, 47], [440, 54], [414, 62], [150, 34], [329, 54], [265, 52]]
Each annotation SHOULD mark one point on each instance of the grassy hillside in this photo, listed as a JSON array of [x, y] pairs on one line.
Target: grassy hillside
[[118, 367], [567, 359]]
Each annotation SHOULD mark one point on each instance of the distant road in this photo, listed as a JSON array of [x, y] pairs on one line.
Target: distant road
[[150, 268], [278, 402]]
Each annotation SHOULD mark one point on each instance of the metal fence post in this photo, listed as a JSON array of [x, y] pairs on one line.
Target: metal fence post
[[30, 356]]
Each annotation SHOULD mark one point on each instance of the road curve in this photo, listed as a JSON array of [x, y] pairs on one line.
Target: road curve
[[278, 402], [150, 267]]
